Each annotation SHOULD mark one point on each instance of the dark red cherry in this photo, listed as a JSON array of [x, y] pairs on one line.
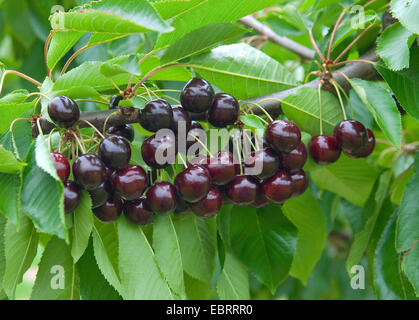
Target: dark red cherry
[[71, 196], [130, 182], [137, 211], [182, 206], [324, 149], [193, 183], [161, 198], [180, 118], [224, 110], [115, 152], [89, 171], [125, 130], [202, 159], [149, 151], [264, 163], [101, 194], [243, 190], [197, 95], [294, 160], [110, 211], [157, 114], [350, 135], [63, 111], [283, 135], [261, 201], [299, 183], [209, 206], [222, 168], [278, 188], [61, 164], [366, 150]]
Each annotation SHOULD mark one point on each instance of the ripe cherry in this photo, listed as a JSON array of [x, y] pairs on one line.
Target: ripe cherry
[[180, 117], [243, 190], [71, 196], [182, 206], [264, 161], [115, 152], [157, 114], [294, 161], [101, 194], [283, 135], [138, 212], [63, 111], [222, 168], [125, 130], [161, 198], [197, 95], [324, 149], [89, 171], [224, 110], [193, 183], [350, 135], [261, 201], [209, 206], [110, 211], [299, 183], [149, 150], [61, 164], [202, 159], [278, 188], [130, 182], [366, 150], [194, 131]]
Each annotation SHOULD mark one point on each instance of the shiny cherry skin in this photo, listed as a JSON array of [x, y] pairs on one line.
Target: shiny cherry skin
[[157, 114], [222, 168], [110, 211], [71, 196], [324, 149], [197, 95], [294, 161], [266, 160], [299, 183], [137, 211], [209, 206], [278, 188], [101, 194], [124, 130], [283, 135], [149, 149], [115, 152], [243, 190], [130, 182], [61, 164], [351, 135], [224, 110], [161, 198], [193, 183], [366, 150], [180, 118], [89, 171], [63, 111]]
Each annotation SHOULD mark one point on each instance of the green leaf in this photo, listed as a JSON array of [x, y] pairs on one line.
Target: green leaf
[[175, 73], [410, 267], [406, 12], [201, 40], [167, 249], [399, 186], [141, 277], [10, 190], [233, 283], [303, 108], [61, 43], [307, 215], [196, 246], [17, 13], [82, 226], [9, 112], [198, 290], [243, 71], [8, 162], [382, 106], [350, 178], [265, 241], [252, 121], [395, 36], [20, 250], [2, 253], [170, 8], [57, 278], [16, 96]]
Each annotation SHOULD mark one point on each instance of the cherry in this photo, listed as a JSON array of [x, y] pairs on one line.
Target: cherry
[[125, 130], [350, 135], [89, 171], [224, 110], [149, 149], [71, 196], [101, 194], [180, 116], [110, 211], [299, 183], [63, 111], [209, 206], [157, 114], [138, 212], [278, 188], [182, 206], [283, 135], [222, 168], [161, 198], [197, 95], [294, 160], [193, 183], [202, 159], [194, 131], [324, 149], [130, 182], [114, 102], [115, 152], [265, 159], [366, 150], [61, 164], [243, 190], [260, 201]]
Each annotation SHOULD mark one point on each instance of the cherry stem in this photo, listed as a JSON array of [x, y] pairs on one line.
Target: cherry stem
[[49, 139], [150, 54], [105, 123], [319, 87], [308, 76], [75, 54], [37, 94], [16, 120], [94, 128], [19, 74], [236, 139], [354, 61], [93, 101], [183, 160], [250, 141], [78, 142], [340, 99], [332, 37], [202, 144], [261, 108], [346, 97], [315, 45], [49, 71]]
